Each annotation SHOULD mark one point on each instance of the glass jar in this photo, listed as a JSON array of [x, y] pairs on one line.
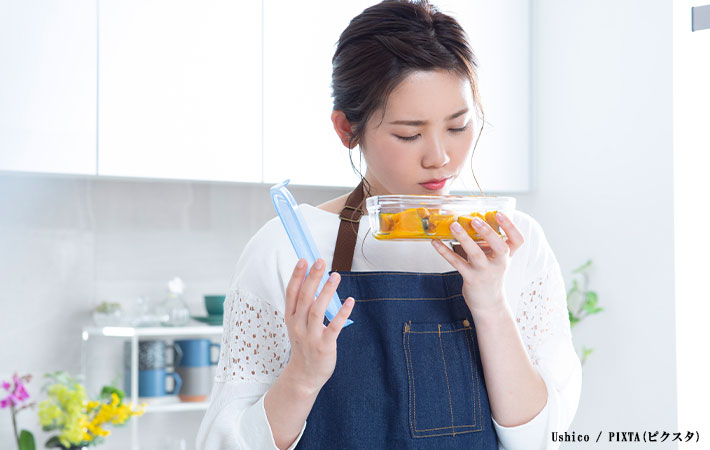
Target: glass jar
[[174, 311]]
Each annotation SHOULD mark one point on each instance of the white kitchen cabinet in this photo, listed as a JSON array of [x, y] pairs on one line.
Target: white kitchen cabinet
[[48, 86], [299, 140], [180, 89]]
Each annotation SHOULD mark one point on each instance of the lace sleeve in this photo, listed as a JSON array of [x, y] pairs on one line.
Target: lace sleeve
[[542, 311], [255, 345]]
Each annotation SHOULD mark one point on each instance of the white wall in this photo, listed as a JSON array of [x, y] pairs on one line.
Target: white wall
[[692, 186], [602, 125]]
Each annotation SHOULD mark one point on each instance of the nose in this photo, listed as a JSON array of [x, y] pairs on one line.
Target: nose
[[435, 154]]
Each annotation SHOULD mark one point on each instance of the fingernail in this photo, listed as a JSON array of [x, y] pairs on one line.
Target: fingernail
[[301, 263], [435, 243], [332, 277], [501, 217], [455, 226], [318, 265], [477, 222]]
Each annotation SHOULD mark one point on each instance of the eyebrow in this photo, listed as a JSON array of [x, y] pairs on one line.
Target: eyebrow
[[424, 122]]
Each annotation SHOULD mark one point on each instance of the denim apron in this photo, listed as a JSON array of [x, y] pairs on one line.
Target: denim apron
[[408, 373]]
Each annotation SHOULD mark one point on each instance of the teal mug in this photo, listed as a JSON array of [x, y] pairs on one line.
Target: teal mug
[[214, 304]]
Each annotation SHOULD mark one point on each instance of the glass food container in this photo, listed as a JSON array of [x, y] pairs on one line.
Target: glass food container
[[415, 217]]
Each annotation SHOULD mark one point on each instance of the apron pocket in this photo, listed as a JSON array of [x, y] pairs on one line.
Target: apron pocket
[[444, 384]]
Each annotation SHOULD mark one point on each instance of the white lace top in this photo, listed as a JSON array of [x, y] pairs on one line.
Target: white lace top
[[255, 344]]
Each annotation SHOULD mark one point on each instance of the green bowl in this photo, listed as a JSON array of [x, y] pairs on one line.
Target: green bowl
[[214, 304]]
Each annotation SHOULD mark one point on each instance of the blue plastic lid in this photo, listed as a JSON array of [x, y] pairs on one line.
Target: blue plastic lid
[[301, 239]]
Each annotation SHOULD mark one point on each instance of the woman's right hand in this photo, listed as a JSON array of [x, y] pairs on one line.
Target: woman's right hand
[[313, 345]]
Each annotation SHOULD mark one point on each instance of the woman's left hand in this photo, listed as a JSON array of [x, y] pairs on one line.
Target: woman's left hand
[[483, 271]]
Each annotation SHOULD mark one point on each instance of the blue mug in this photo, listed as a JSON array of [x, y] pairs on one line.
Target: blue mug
[[151, 383], [196, 352]]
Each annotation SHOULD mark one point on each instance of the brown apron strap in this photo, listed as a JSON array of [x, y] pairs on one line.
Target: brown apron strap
[[460, 251], [347, 232]]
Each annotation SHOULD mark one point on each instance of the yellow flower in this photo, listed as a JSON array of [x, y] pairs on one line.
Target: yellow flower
[[92, 404], [50, 413], [95, 428], [65, 410], [73, 431], [79, 420]]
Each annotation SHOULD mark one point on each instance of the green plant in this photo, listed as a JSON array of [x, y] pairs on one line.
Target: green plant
[[80, 421], [582, 302]]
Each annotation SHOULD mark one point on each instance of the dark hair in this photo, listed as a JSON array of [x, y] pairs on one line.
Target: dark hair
[[383, 45]]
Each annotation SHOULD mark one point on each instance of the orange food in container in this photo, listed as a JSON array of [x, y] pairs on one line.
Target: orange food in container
[[415, 217]]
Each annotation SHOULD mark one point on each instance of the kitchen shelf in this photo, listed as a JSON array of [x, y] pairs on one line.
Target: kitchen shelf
[[176, 407], [196, 330], [136, 334]]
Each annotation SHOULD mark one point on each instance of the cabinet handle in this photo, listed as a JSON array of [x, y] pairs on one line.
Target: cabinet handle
[[701, 17]]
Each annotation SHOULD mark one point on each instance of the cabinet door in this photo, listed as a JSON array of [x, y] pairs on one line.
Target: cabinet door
[[180, 89], [499, 32], [299, 140], [48, 86]]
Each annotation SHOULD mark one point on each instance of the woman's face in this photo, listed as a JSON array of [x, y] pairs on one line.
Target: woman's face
[[427, 134]]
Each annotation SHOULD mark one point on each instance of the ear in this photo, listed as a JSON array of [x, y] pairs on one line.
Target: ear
[[342, 127]]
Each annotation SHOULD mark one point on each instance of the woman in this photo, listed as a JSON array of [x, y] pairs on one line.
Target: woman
[[479, 357]]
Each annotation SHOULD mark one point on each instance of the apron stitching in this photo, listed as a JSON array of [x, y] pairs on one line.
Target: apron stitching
[[413, 392], [438, 332], [445, 434], [448, 387], [412, 395], [419, 274], [473, 383], [414, 403], [409, 298], [476, 394]]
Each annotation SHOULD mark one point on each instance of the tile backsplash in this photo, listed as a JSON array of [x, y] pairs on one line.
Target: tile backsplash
[[68, 243]]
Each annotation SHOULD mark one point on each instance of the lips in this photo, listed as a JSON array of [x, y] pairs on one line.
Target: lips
[[435, 185]]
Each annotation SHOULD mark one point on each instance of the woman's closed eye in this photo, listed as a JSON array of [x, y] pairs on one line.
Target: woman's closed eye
[[414, 137], [458, 130], [407, 138]]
